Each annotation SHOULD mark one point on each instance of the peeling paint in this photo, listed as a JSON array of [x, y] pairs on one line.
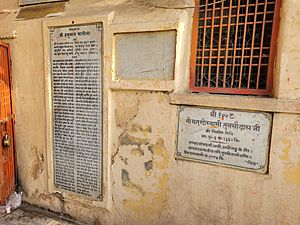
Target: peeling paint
[[127, 139], [148, 165], [136, 128], [114, 156], [150, 149], [137, 151], [38, 162], [124, 159], [160, 151], [126, 111], [144, 148], [126, 182], [151, 203], [144, 203], [61, 199]]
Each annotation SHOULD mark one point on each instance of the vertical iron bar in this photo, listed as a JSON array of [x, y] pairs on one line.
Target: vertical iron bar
[[243, 46], [219, 44], [261, 43], [235, 42], [227, 43], [194, 48], [204, 44], [252, 44], [211, 41]]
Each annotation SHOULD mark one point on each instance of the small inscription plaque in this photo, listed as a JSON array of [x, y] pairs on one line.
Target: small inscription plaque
[[232, 138], [77, 108]]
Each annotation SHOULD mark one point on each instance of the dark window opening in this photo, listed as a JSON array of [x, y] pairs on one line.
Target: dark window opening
[[233, 47]]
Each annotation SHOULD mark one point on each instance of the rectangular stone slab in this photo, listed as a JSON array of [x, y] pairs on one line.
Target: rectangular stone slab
[[226, 137], [76, 68]]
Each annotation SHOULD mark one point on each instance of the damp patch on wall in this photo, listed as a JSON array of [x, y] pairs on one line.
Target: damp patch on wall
[[145, 55]]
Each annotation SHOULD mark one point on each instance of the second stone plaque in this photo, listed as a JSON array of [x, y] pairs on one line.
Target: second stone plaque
[[231, 138]]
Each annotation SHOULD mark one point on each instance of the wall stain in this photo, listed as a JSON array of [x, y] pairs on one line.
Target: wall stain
[[124, 159], [160, 150], [127, 139], [126, 111], [150, 149], [286, 150], [126, 182], [292, 174], [148, 165], [152, 202], [137, 151], [62, 201], [41, 196], [141, 202], [114, 156], [38, 162], [136, 128]]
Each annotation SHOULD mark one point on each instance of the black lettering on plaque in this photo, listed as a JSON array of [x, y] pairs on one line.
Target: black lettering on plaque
[[77, 108]]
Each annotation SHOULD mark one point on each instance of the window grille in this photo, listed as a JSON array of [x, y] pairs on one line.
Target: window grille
[[233, 46]]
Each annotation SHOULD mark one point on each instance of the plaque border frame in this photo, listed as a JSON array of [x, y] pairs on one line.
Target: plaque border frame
[[150, 85], [72, 197], [263, 171]]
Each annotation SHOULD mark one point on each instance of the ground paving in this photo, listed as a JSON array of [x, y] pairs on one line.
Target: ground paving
[[30, 215]]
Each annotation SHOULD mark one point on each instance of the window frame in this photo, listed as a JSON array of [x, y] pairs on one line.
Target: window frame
[[238, 91]]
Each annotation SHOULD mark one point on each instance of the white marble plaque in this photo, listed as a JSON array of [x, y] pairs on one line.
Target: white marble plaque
[[77, 108], [231, 138], [31, 2], [145, 55]]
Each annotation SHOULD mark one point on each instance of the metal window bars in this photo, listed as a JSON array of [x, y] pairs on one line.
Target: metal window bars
[[233, 46]]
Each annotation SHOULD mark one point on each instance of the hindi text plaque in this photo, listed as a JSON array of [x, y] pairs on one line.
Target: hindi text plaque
[[227, 137], [76, 63]]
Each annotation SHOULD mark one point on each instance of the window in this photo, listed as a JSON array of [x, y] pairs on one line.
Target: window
[[233, 46]]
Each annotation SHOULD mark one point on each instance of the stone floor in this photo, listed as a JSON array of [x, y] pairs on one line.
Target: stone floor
[[30, 215]]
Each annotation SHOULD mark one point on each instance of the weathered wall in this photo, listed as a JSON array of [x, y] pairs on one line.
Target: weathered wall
[[144, 184]]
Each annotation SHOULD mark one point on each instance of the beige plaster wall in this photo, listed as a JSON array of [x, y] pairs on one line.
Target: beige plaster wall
[[144, 184]]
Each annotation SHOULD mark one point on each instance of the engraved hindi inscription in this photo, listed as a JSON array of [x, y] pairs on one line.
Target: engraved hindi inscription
[[232, 138], [77, 108]]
